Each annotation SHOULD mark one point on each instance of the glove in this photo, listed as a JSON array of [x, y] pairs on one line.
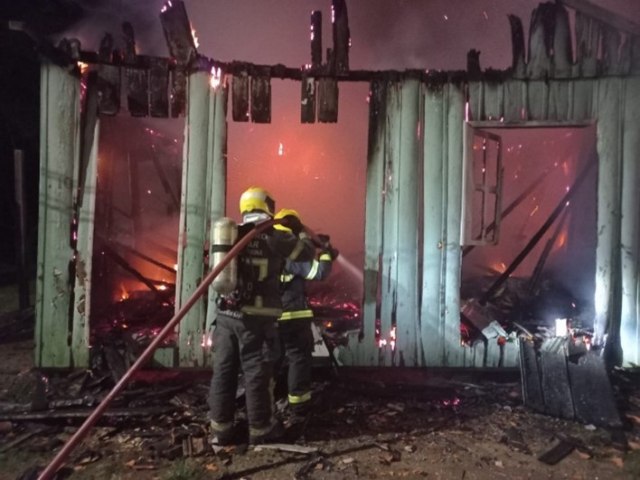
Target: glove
[[292, 222], [332, 252], [320, 241]]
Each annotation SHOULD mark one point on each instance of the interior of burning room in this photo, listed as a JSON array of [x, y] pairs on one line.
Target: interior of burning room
[[320, 169]]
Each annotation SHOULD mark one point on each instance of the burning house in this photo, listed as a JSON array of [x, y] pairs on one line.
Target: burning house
[[468, 245]]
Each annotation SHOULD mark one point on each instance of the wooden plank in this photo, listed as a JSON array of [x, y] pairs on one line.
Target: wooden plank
[[583, 99], [328, 93], [308, 100], [634, 68], [178, 98], [137, 91], [587, 44], [109, 86], [518, 65], [493, 101], [608, 145], [217, 189], [554, 379], [539, 64], [341, 36], [476, 100], [159, 87], [433, 266], [537, 100], [606, 16], [591, 391], [165, 357], [530, 374], [453, 164], [630, 243], [240, 98], [59, 151], [515, 103], [261, 99], [560, 97], [610, 64], [510, 355], [193, 220], [177, 32], [316, 38], [409, 170], [84, 259], [391, 220], [562, 51], [366, 348]]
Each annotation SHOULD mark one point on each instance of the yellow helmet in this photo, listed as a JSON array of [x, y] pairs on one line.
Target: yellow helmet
[[256, 198], [285, 212]]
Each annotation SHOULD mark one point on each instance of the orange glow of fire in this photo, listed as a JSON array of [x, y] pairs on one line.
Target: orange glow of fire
[[123, 293], [280, 149], [83, 67], [499, 267], [562, 239], [207, 341], [162, 287], [166, 6], [533, 212]]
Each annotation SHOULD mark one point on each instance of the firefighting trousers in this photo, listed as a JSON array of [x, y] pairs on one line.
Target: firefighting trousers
[[249, 345], [296, 341]]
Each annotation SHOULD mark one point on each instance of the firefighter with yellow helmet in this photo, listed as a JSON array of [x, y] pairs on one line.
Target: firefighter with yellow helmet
[[245, 328], [294, 325]]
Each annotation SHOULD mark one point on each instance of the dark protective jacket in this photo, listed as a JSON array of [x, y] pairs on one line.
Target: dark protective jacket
[[294, 299], [260, 264]]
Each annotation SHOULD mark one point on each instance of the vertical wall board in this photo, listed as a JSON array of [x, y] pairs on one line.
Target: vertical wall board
[[261, 99], [630, 235], [610, 51], [587, 44], [511, 355], [493, 354], [433, 263], [583, 97], [407, 310], [391, 216], [240, 98], [476, 101], [366, 349], [634, 67], [562, 52], [493, 101], [537, 100], [515, 100], [59, 157], [218, 152], [539, 64], [609, 183], [159, 87], [137, 91], [560, 98], [84, 260], [308, 100], [453, 209], [328, 94], [191, 239], [109, 86]]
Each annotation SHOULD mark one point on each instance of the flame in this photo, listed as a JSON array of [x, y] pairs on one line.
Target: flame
[[83, 67], [162, 287], [280, 149], [123, 293], [166, 6], [195, 37], [562, 239], [499, 267], [216, 77]]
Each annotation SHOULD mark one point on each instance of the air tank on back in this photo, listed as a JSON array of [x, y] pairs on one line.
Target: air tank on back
[[224, 235]]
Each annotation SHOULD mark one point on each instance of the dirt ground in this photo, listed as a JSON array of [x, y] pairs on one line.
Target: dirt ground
[[365, 424]]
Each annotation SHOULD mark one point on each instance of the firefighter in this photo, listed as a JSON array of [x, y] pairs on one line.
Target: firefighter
[[245, 334], [295, 323]]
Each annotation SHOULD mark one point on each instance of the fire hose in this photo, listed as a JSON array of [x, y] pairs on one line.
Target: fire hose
[[61, 456]]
